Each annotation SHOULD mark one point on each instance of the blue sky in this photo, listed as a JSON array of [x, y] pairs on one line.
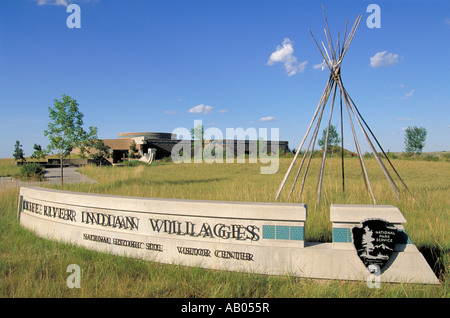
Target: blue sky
[[159, 65]]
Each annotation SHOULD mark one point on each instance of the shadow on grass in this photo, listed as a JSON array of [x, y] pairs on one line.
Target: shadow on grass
[[437, 258], [149, 182]]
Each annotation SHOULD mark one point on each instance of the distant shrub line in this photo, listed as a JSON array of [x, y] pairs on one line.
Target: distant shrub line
[[33, 171]]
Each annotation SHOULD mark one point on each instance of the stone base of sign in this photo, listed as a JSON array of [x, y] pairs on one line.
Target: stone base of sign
[[262, 238]]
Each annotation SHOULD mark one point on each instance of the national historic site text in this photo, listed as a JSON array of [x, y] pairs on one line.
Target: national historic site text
[[186, 228]]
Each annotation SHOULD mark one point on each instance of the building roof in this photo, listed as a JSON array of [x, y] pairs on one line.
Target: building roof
[[147, 135], [118, 144]]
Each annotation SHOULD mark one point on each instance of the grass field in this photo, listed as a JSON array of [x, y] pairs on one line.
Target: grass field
[[35, 267]]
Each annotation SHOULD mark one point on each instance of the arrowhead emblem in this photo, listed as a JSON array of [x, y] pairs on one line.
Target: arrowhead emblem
[[374, 241]]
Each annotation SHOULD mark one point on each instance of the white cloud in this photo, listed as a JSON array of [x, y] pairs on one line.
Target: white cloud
[[64, 3], [52, 2], [201, 109], [320, 66], [222, 111], [408, 95], [269, 118], [317, 66], [404, 119], [171, 112], [285, 54], [384, 58]]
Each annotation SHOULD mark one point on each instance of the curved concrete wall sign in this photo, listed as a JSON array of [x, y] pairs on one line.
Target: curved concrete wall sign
[[253, 237], [265, 238]]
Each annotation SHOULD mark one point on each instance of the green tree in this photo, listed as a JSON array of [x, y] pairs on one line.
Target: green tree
[[18, 151], [333, 138], [415, 139], [65, 130], [101, 150], [198, 133], [38, 152], [133, 153], [261, 146]]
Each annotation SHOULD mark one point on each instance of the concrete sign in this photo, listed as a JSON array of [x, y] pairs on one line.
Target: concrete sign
[[264, 238], [211, 234]]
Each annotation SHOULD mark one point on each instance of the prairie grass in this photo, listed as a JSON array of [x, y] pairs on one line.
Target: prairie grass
[[34, 267], [427, 212], [8, 167]]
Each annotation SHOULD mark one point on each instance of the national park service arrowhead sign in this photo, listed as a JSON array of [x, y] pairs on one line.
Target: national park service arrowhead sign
[[374, 241]]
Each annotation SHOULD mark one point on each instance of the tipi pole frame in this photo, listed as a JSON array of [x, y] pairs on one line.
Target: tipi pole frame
[[301, 145], [334, 64]]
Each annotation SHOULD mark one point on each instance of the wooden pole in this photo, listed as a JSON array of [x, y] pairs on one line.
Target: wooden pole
[[310, 156], [377, 157], [322, 104], [300, 147], [313, 141], [361, 160], [330, 42], [385, 155], [342, 145], [325, 59], [304, 157], [350, 36], [343, 40], [326, 147]]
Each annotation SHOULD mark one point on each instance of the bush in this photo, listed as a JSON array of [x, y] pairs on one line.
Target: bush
[[391, 155], [405, 155], [32, 170], [133, 163], [431, 158], [445, 157], [368, 155]]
